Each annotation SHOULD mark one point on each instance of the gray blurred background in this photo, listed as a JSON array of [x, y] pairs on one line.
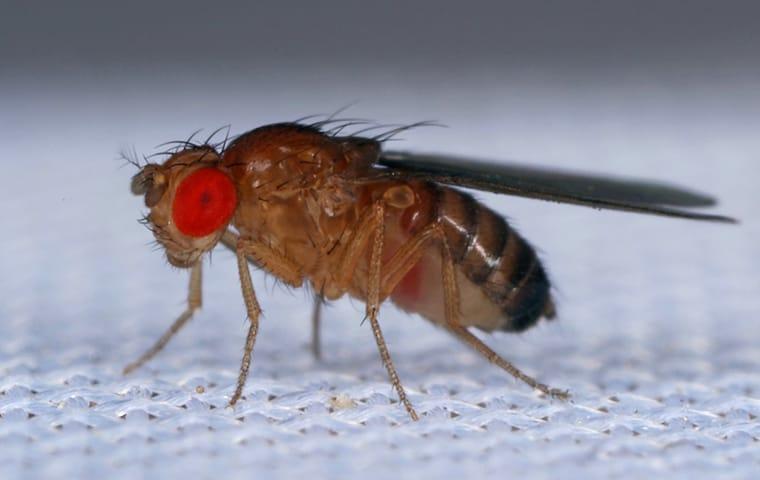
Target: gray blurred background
[[664, 90], [587, 37]]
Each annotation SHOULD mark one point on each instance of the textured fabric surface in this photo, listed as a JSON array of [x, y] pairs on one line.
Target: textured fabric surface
[[657, 335]]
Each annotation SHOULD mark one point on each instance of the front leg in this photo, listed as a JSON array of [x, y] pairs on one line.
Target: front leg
[[286, 270], [265, 257], [193, 304], [253, 310]]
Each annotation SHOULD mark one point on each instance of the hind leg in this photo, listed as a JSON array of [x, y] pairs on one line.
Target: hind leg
[[405, 259], [467, 337]]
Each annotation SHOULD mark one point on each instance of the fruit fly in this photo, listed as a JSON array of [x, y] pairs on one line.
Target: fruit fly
[[343, 216]]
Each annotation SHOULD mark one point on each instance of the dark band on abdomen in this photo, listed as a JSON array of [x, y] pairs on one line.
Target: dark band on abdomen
[[493, 256]]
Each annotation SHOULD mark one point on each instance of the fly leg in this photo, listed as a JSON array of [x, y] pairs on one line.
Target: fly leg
[[253, 310], [373, 306], [451, 299], [274, 262], [264, 257], [285, 270], [355, 248], [374, 223], [467, 337], [316, 320], [193, 304], [405, 259]]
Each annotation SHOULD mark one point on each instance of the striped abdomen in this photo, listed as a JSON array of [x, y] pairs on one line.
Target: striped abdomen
[[493, 256]]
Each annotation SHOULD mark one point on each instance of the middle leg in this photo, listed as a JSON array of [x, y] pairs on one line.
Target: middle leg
[[316, 321], [373, 307]]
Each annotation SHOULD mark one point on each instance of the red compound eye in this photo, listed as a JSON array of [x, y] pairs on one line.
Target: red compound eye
[[204, 201]]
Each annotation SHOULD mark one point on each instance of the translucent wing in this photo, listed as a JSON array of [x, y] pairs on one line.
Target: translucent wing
[[555, 185]]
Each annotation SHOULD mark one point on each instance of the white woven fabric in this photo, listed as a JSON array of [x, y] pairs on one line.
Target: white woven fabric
[[657, 336]]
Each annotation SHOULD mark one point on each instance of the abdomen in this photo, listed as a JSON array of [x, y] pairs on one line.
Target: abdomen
[[502, 283]]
